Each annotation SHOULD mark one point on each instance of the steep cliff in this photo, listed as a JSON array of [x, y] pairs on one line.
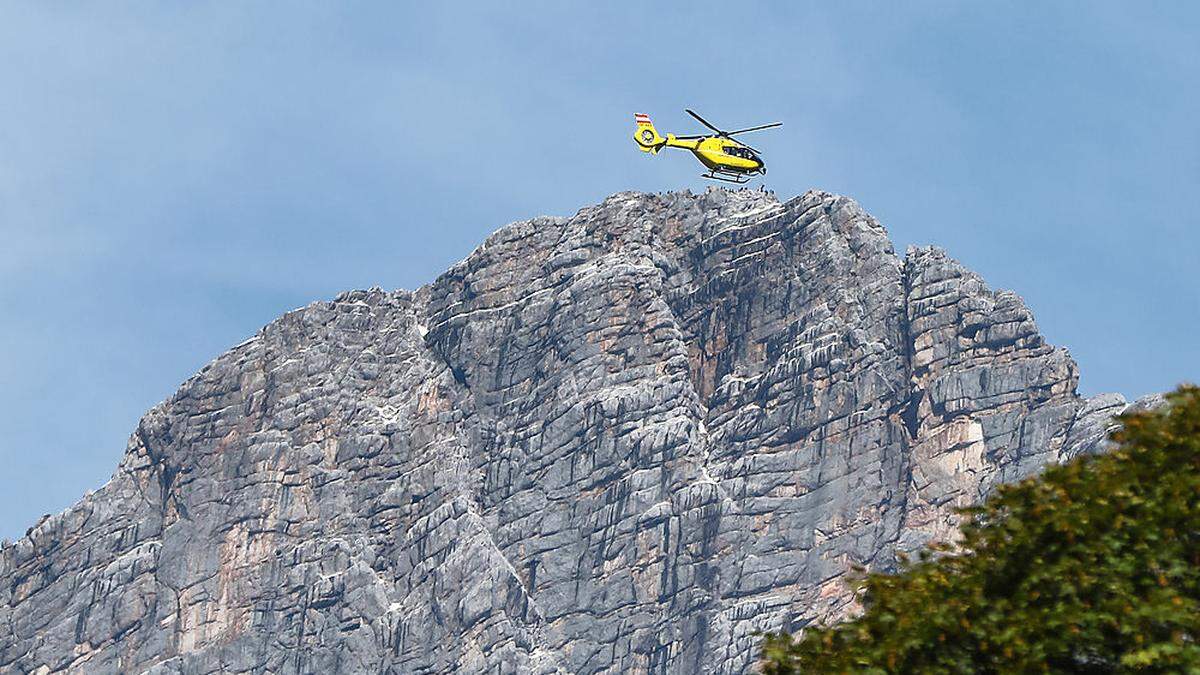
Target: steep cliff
[[623, 441]]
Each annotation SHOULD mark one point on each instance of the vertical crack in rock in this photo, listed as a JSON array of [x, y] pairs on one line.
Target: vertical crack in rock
[[623, 441]]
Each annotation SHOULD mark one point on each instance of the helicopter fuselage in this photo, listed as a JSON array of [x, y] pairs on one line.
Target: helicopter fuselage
[[721, 154]]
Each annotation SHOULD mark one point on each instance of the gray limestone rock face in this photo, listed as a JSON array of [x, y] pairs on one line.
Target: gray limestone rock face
[[625, 441]]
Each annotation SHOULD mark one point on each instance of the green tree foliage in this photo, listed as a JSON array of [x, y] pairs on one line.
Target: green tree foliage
[[1091, 567]]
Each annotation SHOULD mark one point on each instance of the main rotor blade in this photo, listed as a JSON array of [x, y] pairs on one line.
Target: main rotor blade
[[758, 128], [690, 138], [704, 121]]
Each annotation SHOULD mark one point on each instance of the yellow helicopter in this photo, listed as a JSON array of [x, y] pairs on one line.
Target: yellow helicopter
[[727, 159]]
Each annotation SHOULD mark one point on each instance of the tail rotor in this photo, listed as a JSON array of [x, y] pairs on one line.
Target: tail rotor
[[646, 136]]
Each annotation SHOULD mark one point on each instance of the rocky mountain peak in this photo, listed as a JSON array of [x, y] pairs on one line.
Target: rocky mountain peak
[[623, 441]]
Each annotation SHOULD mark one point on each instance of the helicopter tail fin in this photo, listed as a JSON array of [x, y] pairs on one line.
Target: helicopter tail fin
[[646, 135]]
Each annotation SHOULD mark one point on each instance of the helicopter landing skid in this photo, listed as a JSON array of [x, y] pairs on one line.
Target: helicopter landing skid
[[738, 178]]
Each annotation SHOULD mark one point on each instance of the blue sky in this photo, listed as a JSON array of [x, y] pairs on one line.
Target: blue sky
[[175, 175]]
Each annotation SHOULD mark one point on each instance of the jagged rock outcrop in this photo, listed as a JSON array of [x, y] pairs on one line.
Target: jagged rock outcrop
[[623, 441]]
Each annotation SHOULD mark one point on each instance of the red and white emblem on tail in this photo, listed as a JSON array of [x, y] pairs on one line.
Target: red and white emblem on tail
[[646, 135]]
